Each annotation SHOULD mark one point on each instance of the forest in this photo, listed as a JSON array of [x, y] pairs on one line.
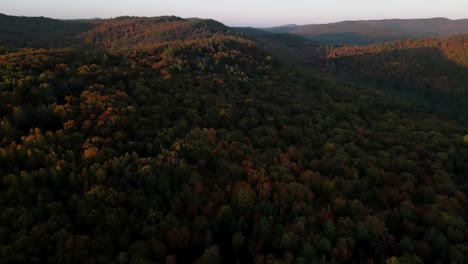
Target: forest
[[430, 72], [166, 140]]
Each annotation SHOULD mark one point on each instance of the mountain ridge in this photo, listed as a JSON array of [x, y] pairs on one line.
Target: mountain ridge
[[365, 32], [123, 31], [43, 32]]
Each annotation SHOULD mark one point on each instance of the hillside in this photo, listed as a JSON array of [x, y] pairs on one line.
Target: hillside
[[137, 31], [204, 146], [291, 48], [39, 32], [367, 32], [430, 71]]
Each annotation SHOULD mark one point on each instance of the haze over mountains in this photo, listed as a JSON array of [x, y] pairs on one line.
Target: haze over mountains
[[171, 140], [46, 32], [375, 31]]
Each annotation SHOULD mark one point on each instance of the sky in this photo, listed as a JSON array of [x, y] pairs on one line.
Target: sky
[[257, 13]]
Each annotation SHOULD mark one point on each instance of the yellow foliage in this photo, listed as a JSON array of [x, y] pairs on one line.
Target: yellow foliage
[[329, 185], [377, 227], [465, 138], [330, 147], [392, 260]]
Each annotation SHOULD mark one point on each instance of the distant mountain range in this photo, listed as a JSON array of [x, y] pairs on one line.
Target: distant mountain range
[[366, 32], [41, 32]]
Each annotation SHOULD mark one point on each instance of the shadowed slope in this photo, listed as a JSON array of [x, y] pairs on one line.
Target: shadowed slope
[[432, 71], [39, 32]]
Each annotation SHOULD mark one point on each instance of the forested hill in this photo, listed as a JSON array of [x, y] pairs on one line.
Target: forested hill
[[432, 71], [209, 149], [137, 31], [40, 32], [367, 32]]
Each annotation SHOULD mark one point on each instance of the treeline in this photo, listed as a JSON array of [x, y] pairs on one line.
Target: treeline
[[39, 32], [104, 34]]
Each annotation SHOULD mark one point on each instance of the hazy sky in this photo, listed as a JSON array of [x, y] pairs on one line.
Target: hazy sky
[[242, 12]]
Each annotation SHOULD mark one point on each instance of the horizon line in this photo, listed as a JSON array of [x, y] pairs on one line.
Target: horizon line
[[274, 26]]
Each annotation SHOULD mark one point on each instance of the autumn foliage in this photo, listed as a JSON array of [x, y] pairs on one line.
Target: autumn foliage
[[211, 150]]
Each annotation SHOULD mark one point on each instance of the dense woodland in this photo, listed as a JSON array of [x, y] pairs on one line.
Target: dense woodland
[[104, 34], [210, 149], [431, 72]]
